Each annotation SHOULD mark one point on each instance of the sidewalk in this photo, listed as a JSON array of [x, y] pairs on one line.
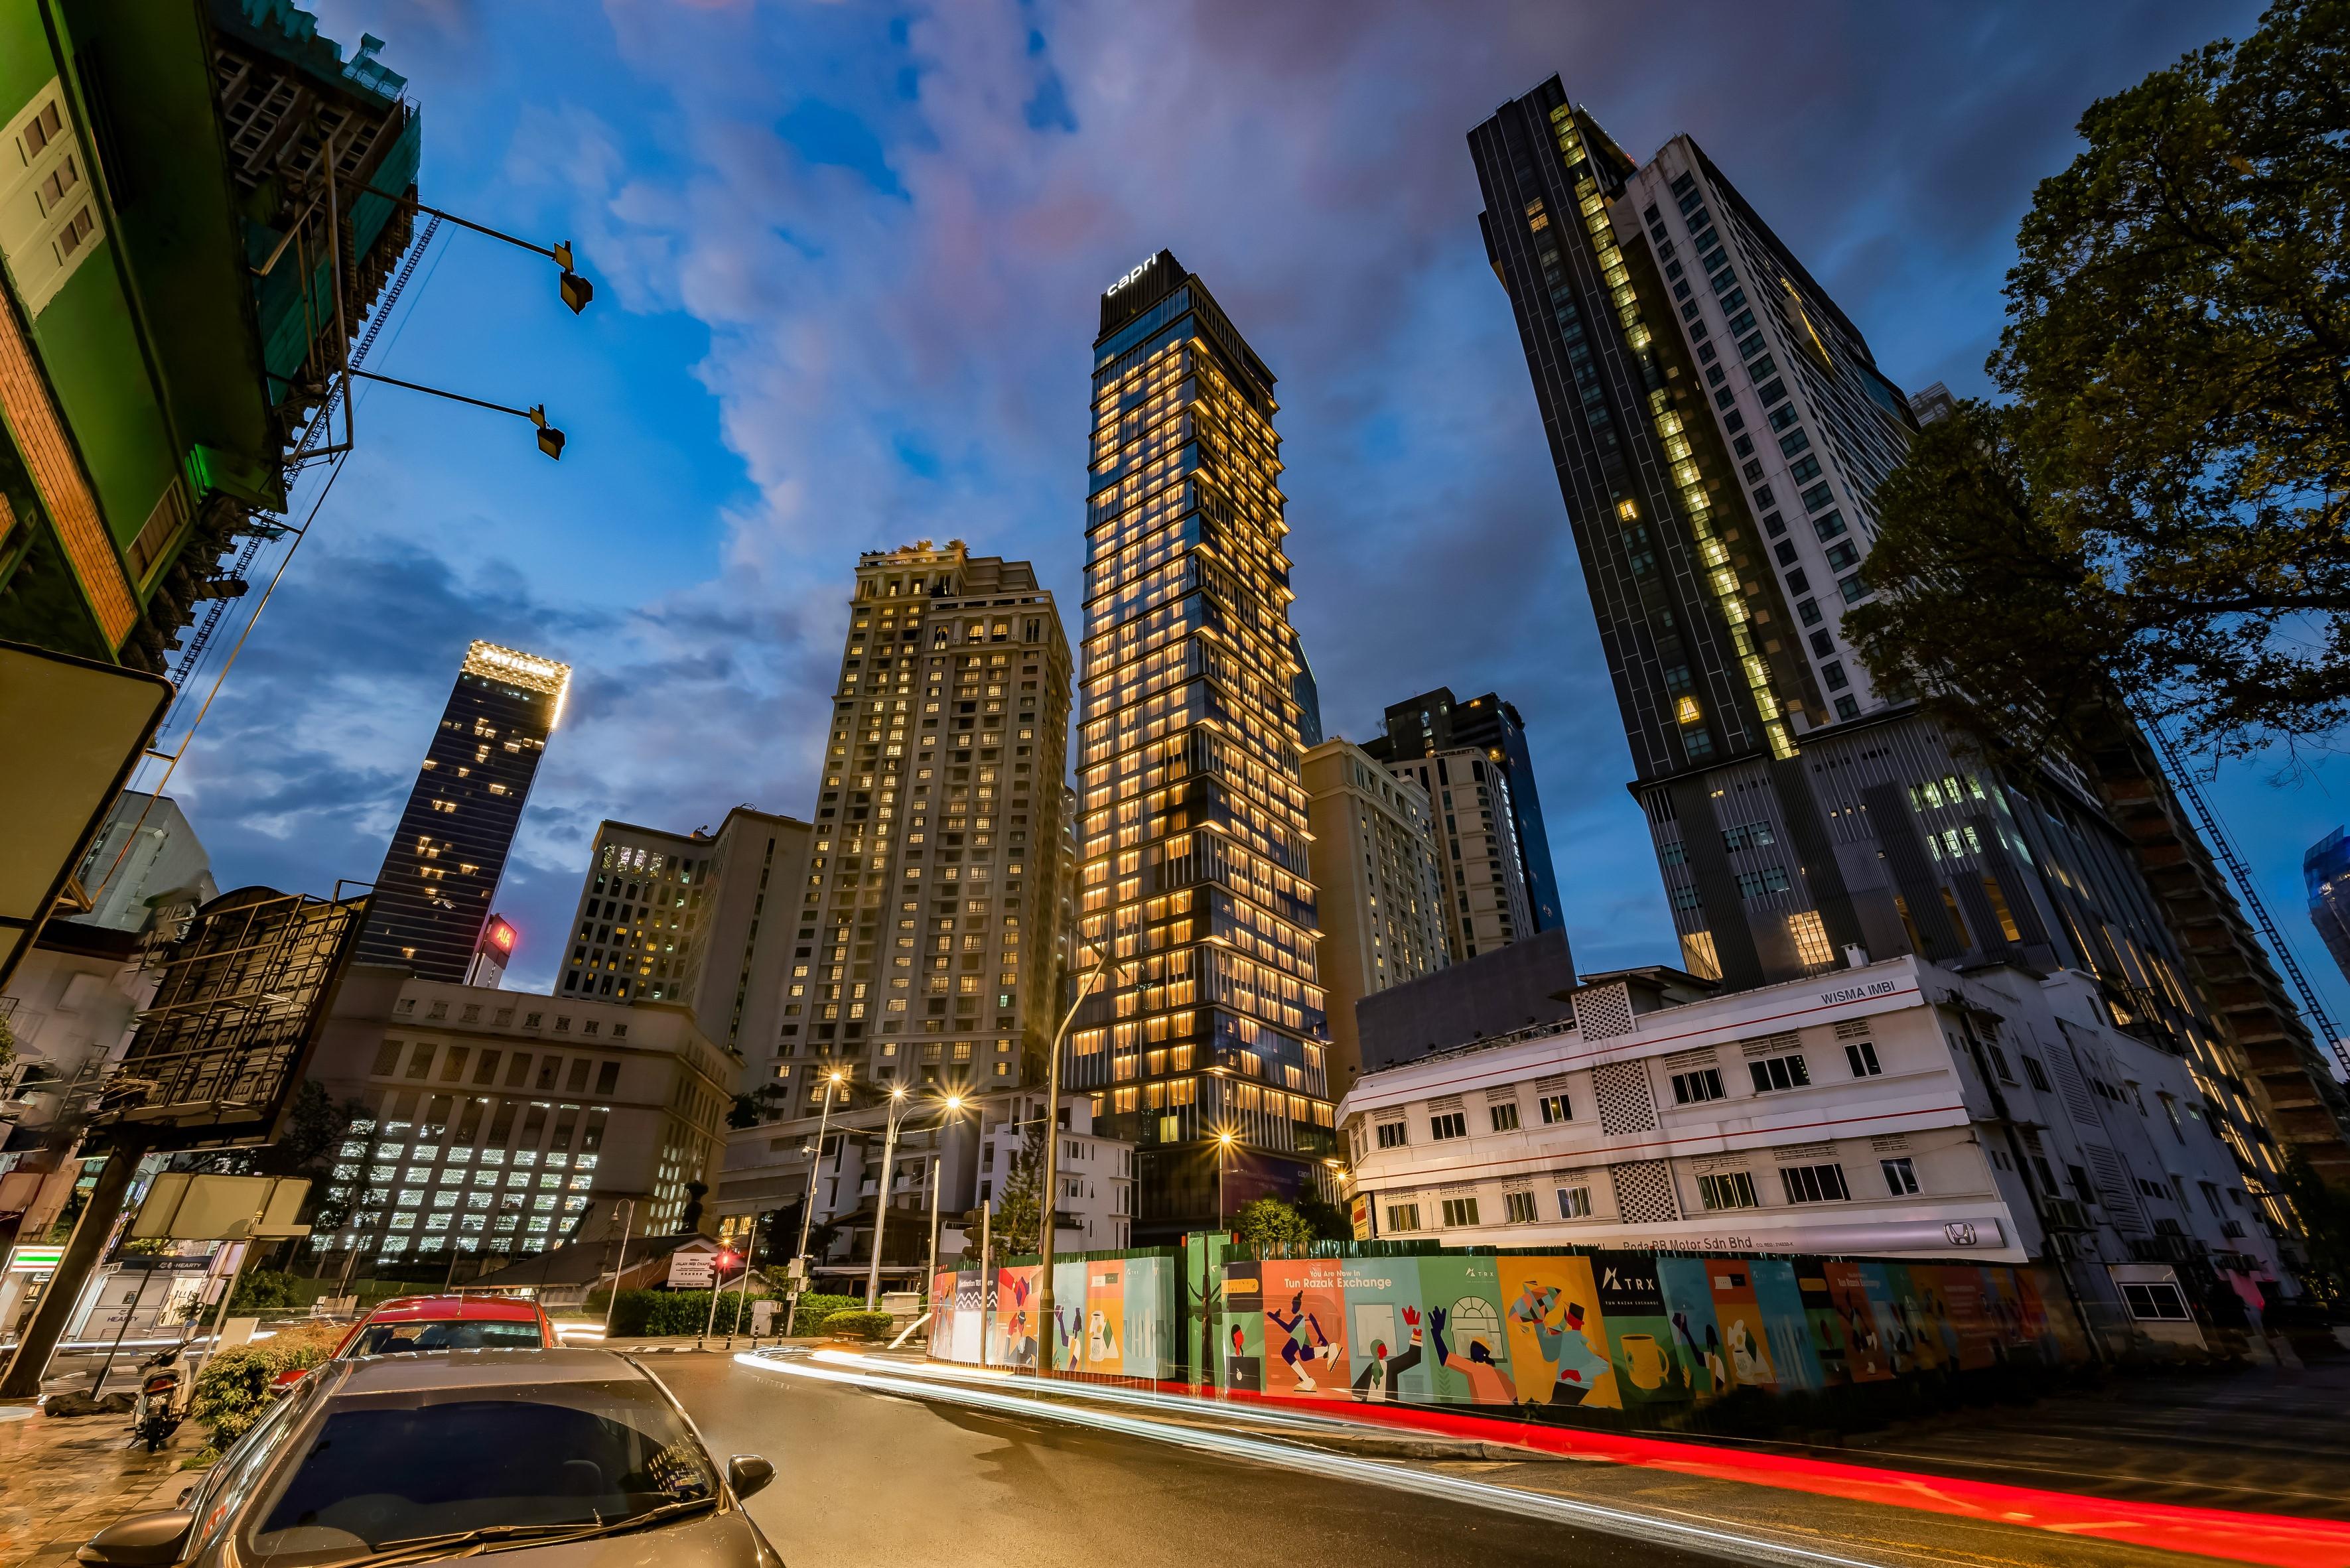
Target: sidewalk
[[62, 1481]]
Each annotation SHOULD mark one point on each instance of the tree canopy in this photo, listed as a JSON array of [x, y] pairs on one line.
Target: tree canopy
[[2162, 505]]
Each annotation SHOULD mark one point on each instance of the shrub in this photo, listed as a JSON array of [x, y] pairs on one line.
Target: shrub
[[648, 1313], [856, 1323], [261, 1290], [232, 1392], [816, 1306]]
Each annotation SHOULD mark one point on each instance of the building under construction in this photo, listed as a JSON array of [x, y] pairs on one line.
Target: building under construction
[[202, 203]]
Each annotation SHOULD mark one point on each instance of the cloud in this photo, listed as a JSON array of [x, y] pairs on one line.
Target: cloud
[[887, 232]]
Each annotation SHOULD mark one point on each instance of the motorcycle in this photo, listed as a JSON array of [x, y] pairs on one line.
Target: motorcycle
[[160, 1407]]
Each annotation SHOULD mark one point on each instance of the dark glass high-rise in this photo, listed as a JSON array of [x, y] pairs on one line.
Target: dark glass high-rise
[[443, 864]]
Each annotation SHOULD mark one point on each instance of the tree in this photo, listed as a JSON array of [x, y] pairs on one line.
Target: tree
[[1271, 1228], [1327, 1222], [2323, 1213], [2173, 465], [1014, 1229]]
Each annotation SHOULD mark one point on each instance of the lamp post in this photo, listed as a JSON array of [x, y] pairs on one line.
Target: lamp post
[[881, 1194], [1050, 1196], [622, 1267], [953, 1104], [832, 1080], [1223, 1147]]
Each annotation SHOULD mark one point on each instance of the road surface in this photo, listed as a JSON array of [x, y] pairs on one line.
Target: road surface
[[867, 1479]]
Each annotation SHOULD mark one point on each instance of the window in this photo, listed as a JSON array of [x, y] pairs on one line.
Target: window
[[1770, 879], [1900, 1177], [2037, 1074], [1691, 1088], [1554, 1108], [1452, 1123], [1779, 1073], [2158, 1300], [1392, 1134], [1574, 1203], [1729, 1189], [1403, 1217], [1862, 1055], [1505, 1119], [1460, 1212], [1815, 1184], [1519, 1207]]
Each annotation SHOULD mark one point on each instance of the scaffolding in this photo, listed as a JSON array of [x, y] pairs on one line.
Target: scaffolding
[[242, 996]]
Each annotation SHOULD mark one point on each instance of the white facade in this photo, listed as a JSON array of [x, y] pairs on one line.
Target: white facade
[[1896, 1110]]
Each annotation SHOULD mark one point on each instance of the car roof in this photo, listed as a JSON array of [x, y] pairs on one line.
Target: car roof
[[455, 1309], [419, 1371]]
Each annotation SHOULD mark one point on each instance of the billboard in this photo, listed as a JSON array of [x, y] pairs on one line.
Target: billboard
[[237, 1012]]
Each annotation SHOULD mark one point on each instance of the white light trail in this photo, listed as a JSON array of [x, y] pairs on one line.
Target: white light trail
[[1463, 1490]]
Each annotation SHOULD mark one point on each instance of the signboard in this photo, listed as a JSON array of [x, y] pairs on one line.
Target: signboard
[[76, 728], [185, 1207], [691, 1269], [34, 1260]]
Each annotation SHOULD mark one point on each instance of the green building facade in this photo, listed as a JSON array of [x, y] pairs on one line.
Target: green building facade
[[183, 278]]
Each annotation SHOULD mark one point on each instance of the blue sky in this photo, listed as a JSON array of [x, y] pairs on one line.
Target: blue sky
[[847, 259]]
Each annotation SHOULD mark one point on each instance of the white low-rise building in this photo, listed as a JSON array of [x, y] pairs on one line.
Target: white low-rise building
[[1895, 1110]]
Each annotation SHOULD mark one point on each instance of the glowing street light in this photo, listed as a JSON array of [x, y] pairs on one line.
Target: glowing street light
[[837, 1078], [881, 1194]]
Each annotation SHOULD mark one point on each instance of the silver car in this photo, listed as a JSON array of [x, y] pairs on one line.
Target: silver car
[[555, 1456]]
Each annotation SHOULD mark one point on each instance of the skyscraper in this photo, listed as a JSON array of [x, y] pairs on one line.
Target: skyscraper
[[2326, 870], [1378, 887], [444, 862], [683, 916], [1483, 895], [1720, 428], [1208, 1041], [1437, 720], [923, 948]]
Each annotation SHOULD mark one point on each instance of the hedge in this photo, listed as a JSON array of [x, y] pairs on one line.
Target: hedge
[[856, 1323], [651, 1313]]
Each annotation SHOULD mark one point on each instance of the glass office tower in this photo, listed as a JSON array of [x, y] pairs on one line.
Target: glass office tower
[[443, 865], [1206, 1044]]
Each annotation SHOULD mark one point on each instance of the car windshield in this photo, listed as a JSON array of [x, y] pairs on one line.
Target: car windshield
[[391, 1338], [383, 1469]]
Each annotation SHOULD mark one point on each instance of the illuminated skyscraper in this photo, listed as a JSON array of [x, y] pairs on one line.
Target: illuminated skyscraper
[[923, 950], [443, 865], [1206, 1046]]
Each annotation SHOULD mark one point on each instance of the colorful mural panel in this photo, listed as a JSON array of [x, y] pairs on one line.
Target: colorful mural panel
[[1606, 1330]]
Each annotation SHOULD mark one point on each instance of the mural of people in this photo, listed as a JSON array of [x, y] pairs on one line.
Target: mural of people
[[1562, 1351], [1486, 1384], [1307, 1344], [1383, 1367]]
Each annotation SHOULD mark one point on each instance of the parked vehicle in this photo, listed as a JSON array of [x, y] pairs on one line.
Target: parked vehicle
[[436, 1455], [162, 1399], [406, 1324]]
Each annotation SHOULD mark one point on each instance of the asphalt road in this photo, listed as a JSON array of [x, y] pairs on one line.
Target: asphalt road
[[869, 1479]]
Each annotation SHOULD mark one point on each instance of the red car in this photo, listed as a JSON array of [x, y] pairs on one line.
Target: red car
[[440, 1322], [449, 1323]]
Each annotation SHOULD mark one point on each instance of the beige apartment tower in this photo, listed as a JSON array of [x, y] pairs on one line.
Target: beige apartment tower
[[1486, 898], [922, 953], [1381, 892], [700, 918]]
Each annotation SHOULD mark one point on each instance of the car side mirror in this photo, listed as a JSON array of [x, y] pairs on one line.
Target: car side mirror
[[142, 1540], [748, 1473]]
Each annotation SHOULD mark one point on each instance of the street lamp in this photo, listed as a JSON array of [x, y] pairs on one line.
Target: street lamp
[[1045, 1226], [835, 1079], [1223, 1147], [881, 1194], [954, 1105], [550, 440]]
